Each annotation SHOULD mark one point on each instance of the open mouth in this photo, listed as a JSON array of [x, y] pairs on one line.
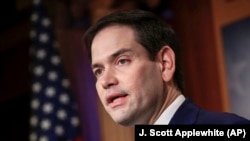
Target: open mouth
[[116, 99]]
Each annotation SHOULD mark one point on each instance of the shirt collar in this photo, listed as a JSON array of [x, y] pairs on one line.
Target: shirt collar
[[168, 113]]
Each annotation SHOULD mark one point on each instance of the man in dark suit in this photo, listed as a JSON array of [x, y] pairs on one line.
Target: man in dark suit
[[135, 58]]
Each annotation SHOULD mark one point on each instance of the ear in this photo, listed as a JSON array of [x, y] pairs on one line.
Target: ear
[[166, 57]]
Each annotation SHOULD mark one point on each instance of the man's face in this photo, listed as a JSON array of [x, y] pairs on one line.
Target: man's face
[[129, 85]]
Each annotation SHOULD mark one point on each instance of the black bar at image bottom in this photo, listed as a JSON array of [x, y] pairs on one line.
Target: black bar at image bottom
[[192, 132]]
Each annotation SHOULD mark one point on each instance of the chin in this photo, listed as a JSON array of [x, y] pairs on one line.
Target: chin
[[119, 120], [123, 121]]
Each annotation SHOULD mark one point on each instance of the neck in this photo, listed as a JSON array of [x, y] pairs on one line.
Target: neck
[[172, 92]]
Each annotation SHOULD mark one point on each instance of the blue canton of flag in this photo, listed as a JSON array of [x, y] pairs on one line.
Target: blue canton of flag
[[54, 114]]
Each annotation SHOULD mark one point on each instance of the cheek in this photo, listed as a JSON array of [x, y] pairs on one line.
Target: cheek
[[100, 93], [145, 88], [145, 80]]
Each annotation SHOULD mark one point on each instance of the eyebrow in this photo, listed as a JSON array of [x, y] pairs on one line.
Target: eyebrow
[[112, 56]]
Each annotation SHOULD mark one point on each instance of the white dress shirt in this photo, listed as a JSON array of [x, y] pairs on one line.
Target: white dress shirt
[[168, 113]]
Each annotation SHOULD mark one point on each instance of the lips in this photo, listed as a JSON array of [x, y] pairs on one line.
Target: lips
[[116, 99]]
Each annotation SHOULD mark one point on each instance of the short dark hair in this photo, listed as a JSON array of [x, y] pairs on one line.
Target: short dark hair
[[150, 31]]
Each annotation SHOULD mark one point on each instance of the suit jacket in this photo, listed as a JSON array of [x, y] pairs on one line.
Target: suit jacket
[[189, 114]]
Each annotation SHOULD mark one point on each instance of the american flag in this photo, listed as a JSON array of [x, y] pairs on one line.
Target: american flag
[[54, 114]]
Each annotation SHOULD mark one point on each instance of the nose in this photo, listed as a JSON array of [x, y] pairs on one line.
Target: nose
[[108, 79]]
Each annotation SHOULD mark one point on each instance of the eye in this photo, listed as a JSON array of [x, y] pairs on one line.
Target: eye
[[98, 72], [123, 61]]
